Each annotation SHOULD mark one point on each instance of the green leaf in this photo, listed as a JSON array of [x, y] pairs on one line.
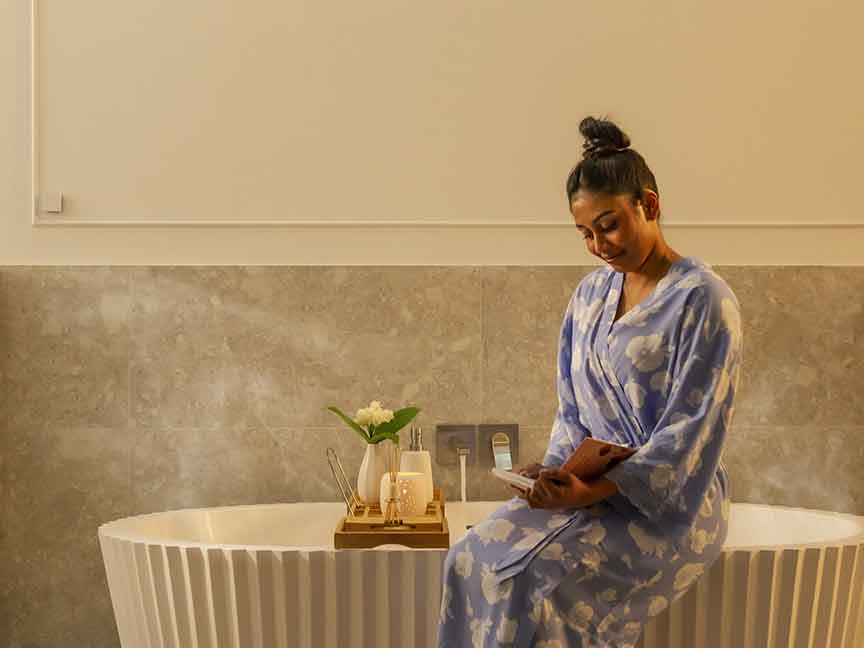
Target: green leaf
[[383, 436], [400, 419], [350, 422]]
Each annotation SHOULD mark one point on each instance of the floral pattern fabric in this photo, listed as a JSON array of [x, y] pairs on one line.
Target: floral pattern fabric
[[662, 378]]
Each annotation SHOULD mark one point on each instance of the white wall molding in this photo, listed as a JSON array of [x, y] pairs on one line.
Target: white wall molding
[[96, 233], [41, 221]]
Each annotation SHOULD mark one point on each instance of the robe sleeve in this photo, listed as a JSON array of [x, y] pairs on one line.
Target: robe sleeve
[[668, 478], [567, 431]]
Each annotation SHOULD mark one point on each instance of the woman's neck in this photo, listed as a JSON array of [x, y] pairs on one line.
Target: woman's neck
[[654, 267]]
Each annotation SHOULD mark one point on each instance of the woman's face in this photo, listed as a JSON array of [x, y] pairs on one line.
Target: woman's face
[[614, 229]]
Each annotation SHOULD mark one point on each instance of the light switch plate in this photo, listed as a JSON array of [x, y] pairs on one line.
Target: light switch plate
[[51, 202], [449, 437], [485, 432]]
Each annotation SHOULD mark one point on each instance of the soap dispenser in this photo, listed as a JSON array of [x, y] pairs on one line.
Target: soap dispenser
[[416, 459]]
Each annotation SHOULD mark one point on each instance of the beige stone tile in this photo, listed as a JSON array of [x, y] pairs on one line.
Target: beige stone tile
[[803, 328], [810, 466], [347, 335], [226, 373], [192, 468], [522, 313], [304, 460], [66, 340], [177, 351], [62, 483], [276, 346]]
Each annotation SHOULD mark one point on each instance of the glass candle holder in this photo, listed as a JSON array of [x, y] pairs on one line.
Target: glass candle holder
[[411, 494]]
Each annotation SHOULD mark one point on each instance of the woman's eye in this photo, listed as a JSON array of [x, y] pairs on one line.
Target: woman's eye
[[608, 228]]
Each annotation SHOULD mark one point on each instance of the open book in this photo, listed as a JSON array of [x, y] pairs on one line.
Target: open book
[[590, 460]]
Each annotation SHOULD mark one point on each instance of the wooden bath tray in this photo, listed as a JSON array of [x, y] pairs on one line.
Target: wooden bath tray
[[366, 529]]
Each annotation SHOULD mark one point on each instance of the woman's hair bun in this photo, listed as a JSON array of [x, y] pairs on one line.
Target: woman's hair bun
[[602, 137]]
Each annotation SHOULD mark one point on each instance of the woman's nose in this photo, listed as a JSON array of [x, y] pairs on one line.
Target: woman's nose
[[600, 246]]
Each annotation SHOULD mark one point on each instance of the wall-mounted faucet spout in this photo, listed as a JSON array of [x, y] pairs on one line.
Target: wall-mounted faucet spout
[[463, 459]]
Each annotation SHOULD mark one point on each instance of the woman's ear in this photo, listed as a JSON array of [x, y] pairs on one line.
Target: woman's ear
[[650, 205]]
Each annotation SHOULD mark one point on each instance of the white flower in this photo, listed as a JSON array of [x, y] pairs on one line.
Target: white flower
[[593, 558], [699, 539], [464, 563], [662, 476], [732, 320], [507, 630], [446, 599], [580, 615], [364, 416], [660, 381], [649, 545], [657, 605], [587, 313], [594, 534], [553, 551], [479, 629], [608, 595], [687, 574], [556, 521], [492, 590], [374, 414], [647, 352], [497, 530], [382, 416]]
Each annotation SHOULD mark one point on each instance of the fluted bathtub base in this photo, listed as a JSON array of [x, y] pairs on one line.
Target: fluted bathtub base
[[191, 597], [769, 599]]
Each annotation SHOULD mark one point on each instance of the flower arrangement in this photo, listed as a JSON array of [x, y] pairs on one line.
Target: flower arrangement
[[375, 424]]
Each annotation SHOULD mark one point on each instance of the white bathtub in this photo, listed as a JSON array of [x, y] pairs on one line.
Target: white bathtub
[[268, 576]]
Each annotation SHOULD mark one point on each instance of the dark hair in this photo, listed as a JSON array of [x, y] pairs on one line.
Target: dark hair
[[608, 165]]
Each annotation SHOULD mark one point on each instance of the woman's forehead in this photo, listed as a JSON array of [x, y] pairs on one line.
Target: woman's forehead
[[588, 206]]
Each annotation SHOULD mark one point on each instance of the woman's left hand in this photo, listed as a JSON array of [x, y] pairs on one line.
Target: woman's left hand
[[557, 489]]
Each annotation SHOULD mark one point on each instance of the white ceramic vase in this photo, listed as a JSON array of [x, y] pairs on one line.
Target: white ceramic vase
[[372, 468]]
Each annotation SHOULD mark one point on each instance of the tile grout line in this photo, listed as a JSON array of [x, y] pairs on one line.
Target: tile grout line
[[483, 344], [130, 424]]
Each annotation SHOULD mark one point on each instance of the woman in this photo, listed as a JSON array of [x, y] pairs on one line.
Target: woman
[[649, 356]]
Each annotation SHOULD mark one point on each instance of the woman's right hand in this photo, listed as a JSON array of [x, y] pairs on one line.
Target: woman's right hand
[[532, 471]]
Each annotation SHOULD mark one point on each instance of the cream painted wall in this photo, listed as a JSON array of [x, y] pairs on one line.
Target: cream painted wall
[[748, 116]]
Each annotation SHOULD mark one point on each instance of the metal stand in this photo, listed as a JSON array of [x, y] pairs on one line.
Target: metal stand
[[354, 505], [352, 501]]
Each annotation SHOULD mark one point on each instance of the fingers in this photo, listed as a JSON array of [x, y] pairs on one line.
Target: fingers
[[548, 492], [532, 470], [554, 474], [539, 497]]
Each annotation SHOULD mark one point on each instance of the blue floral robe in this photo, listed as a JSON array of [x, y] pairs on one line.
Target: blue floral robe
[[661, 378]]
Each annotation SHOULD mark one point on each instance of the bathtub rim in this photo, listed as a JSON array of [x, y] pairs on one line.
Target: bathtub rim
[[106, 531]]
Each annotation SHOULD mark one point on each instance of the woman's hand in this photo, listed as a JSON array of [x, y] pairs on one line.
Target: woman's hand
[[557, 489], [531, 471]]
